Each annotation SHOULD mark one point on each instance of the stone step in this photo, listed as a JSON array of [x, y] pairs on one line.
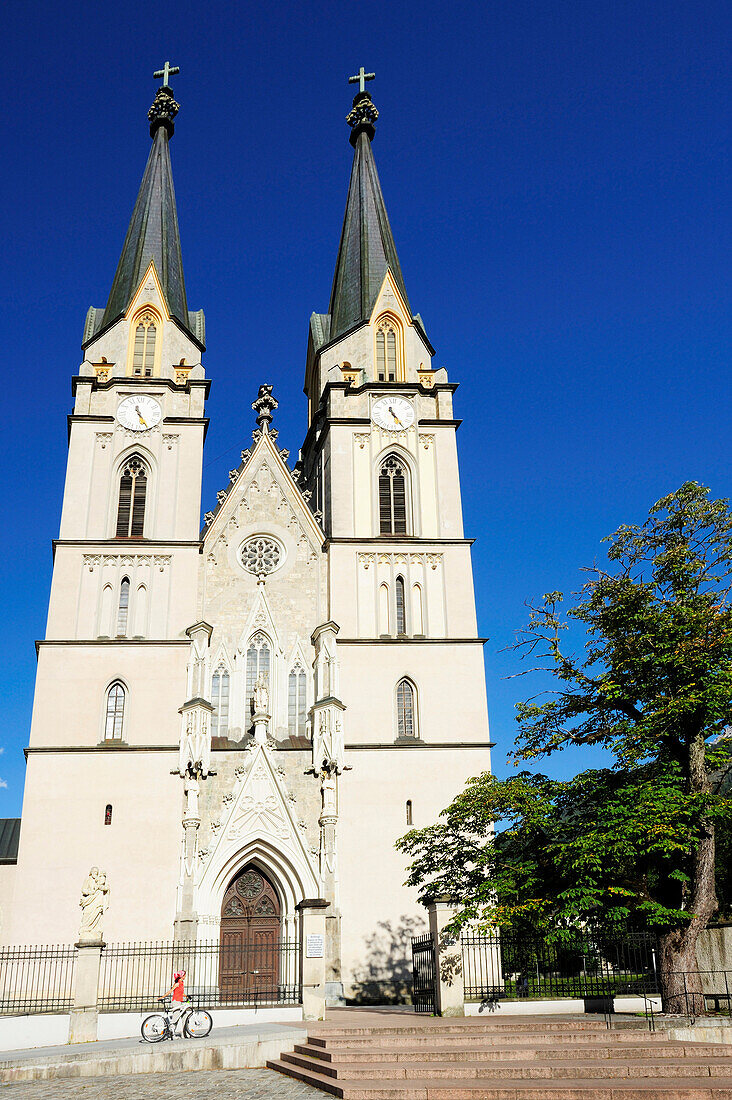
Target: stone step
[[628, 1038], [348, 1071], [471, 1024], [605, 1049], [377, 1055], [658, 1088]]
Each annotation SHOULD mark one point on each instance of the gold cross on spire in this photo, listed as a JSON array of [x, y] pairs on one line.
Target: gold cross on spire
[[166, 72], [360, 78]]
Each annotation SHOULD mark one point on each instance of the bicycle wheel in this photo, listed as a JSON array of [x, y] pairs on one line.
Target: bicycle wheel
[[154, 1028], [198, 1024]]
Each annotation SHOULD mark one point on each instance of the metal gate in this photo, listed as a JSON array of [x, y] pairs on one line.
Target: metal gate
[[423, 974]]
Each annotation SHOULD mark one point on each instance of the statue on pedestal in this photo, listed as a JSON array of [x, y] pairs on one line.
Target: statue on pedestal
[[191, 789], [261, 695], [94, 903]]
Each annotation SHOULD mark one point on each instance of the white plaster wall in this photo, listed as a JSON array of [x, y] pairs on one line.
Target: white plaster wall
[[379, 913], [71, 683], [450, 683], [64, 834], [23, 1032], [81, 570], [8, 880], [444, 569]]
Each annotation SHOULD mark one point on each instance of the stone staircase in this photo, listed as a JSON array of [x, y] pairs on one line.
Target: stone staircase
[[537, 1058]]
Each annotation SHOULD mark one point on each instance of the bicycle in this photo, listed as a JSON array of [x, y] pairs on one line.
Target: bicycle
[[195, 1023]]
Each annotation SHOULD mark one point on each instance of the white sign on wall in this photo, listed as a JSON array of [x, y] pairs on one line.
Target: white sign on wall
[[314, 946]]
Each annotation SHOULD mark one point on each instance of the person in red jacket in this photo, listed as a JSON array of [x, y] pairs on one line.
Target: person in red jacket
[[177, 991]]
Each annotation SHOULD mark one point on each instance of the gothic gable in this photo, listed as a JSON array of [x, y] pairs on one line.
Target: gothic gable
[[257, 813]]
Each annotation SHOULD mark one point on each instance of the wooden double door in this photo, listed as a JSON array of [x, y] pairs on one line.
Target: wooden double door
[[249, 957]]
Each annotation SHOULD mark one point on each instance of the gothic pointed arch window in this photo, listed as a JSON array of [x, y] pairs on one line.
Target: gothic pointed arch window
[[114, 715], [259, 656], [401, 610], [123, 607], [388, 351], [132, 496], [220, 702], [144, 344], [393, 491], [406, 704], [296, 701]]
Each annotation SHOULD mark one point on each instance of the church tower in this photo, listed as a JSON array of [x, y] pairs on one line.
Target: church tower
[[380, 458], [112, 667]]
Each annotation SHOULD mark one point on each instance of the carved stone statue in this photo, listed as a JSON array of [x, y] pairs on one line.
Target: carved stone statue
[[191, 788], [94, 903], [328, 790], [261, 695]]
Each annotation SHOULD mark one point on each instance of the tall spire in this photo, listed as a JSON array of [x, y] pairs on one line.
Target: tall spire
[[367, 246], [153, 230]]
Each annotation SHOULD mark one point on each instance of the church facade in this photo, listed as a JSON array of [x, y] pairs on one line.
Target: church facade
[[230, 720]]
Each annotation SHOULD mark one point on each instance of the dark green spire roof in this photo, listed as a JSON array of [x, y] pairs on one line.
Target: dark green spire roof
[[153, 231], [367, 246]]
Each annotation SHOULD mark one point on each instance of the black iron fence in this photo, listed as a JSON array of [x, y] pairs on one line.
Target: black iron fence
[[133, 976], [502, 965], [36, 979], [423, 974]]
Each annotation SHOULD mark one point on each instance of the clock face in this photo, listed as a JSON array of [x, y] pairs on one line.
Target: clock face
[[394, 413], [139, 414]]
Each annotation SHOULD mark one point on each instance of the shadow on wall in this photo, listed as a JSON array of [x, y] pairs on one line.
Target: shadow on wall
[[386, 976]]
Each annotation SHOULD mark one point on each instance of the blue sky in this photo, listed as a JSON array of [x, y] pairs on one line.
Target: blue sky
[[557, 179]]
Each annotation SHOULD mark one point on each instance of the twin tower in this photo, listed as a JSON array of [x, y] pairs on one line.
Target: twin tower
[[231, 719]]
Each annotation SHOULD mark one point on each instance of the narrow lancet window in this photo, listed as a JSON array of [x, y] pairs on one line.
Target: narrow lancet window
[[296, 702], [406, 725], [123, 608], [401, 614], [108, 814], [220, 701], [409, 812], [258, 663], [386, 353], [143, 353], [392, 497], [115, 713], [132, 494]]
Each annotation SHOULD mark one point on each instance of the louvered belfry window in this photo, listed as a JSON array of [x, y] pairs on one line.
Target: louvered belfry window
[[401, 614], [406, 726], [392, 497], [132, 493]]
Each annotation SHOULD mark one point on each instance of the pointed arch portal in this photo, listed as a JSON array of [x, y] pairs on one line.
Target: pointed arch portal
[[249, 958]]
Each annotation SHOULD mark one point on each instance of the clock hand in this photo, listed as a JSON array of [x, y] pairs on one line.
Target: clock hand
[[395, 417], [140, 416]]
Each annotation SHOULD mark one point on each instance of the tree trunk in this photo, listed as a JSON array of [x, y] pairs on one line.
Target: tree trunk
[[681, 982]]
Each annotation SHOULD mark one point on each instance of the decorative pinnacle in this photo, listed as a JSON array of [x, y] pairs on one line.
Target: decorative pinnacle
[[264, 406], [363, 114], [164, 108]]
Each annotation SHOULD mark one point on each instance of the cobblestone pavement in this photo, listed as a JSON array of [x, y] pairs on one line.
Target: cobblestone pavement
[[225, 1084]]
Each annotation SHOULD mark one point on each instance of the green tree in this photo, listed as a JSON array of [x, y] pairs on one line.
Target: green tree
[[633, 843]]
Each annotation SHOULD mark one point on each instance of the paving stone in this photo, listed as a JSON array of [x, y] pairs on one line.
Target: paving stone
[[237, 1084]]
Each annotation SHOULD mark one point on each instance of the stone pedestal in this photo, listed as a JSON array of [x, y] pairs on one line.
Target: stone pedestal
[[312, 957], [449, 984], [83, 1024]]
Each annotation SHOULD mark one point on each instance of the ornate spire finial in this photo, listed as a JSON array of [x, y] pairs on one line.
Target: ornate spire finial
[[363, 114], [264, 406], [164, 108]]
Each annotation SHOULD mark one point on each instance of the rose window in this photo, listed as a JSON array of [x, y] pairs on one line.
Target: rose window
[[261, 555]]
